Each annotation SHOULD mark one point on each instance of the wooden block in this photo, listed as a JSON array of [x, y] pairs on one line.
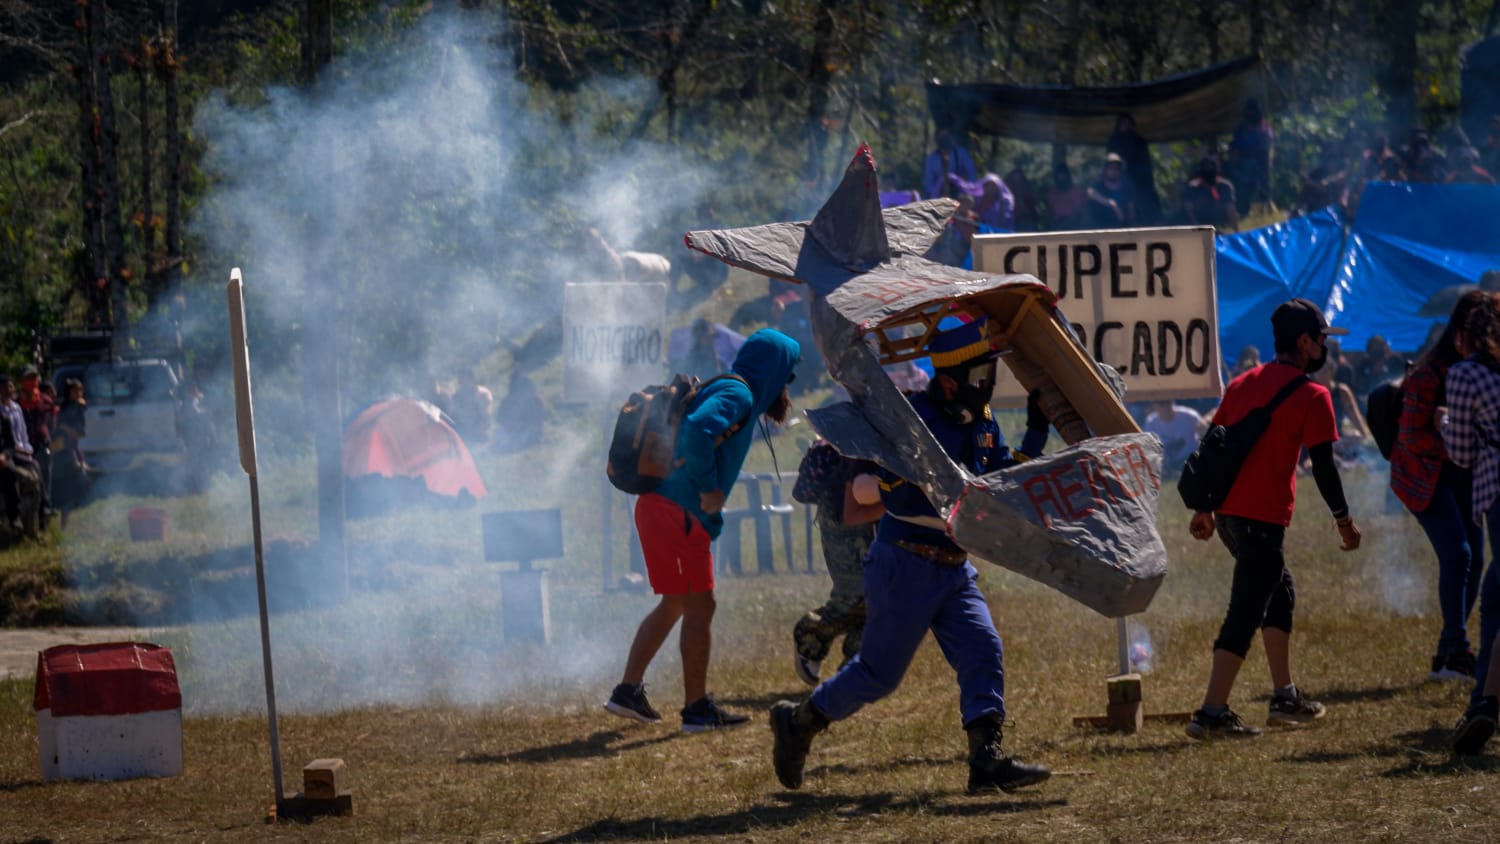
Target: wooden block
[[323, 779], [1125, 717], [1124, 688]]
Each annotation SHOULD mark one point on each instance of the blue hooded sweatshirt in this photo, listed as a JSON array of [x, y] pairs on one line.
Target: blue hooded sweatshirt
[[766, 362]]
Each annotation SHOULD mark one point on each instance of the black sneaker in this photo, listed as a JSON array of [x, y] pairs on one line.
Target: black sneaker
[[1294, 711], [703, 715], [629, 701], [1476, 727], [1457, 666], [1224, 725]]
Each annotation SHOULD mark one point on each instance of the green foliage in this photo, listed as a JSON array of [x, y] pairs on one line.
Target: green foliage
[[725, 84]]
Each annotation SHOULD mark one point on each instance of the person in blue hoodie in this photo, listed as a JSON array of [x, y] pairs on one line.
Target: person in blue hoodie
[[917, 579], [680, 520]]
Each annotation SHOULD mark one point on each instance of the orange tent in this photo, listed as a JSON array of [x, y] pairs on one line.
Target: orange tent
[[410, 438]]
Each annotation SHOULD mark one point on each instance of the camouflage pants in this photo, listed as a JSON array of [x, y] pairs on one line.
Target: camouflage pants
[[21, 490], [844, 550]]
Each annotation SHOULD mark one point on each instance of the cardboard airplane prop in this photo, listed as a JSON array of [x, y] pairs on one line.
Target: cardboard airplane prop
[[1081, 520]]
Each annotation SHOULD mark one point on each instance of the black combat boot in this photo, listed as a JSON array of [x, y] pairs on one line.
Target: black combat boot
[[989, 767], [793, 726]]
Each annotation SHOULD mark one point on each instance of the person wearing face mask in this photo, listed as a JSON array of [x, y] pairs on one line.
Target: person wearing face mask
[[1253, 519], [917, 579]]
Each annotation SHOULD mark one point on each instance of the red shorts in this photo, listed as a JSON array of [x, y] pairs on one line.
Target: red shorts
[[677, 548]]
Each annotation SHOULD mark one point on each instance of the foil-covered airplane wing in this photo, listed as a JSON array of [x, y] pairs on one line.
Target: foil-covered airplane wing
[[1082, 520]]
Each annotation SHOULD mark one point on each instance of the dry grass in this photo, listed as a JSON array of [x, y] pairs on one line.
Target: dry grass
[[541, 762]]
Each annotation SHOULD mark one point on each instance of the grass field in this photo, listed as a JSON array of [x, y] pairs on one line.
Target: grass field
[[451, 734]]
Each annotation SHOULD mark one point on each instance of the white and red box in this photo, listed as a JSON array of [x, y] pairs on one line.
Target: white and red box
[[108, 711]]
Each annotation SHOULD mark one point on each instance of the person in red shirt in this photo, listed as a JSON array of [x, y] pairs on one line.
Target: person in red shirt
[[1253, 519]]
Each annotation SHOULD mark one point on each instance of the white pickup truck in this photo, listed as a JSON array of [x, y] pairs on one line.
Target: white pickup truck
[[133, 420]]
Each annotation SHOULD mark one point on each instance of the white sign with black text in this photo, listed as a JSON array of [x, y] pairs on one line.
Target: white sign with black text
[[614, 339], [1141, 300]]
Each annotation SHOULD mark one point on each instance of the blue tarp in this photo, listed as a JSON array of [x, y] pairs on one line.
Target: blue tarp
[[1408, 242], [1260, 269]]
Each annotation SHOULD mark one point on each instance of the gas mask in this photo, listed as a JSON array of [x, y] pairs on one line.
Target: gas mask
[[971, 398]]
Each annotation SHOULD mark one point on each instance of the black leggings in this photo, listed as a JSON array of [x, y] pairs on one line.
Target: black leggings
[[1262, 594]]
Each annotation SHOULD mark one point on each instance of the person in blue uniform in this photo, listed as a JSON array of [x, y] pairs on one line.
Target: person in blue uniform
[[917, 579]]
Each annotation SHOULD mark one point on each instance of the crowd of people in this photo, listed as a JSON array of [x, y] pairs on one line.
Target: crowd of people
[[1223, 186], [42, 468]]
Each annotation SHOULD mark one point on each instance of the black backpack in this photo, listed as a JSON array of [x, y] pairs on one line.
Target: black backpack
[[1209, 472], [641, 452], [1383, 415]]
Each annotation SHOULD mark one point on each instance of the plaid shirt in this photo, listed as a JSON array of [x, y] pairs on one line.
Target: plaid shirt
[[1472, 430], [1418, 457]]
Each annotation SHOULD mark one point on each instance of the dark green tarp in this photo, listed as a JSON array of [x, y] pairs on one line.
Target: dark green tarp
[[1189, 105]]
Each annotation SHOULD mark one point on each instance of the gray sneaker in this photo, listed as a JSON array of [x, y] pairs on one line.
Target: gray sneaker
[[629, 701], [1294, 711]]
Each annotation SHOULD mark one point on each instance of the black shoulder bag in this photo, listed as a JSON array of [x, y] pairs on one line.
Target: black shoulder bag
[[1209, 472]]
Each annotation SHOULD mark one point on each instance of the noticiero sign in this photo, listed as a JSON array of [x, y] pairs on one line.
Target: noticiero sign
[[612, 339], [1141, 300]]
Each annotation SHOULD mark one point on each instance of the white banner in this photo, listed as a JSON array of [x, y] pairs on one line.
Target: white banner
[[1141, 300], [614, 340]]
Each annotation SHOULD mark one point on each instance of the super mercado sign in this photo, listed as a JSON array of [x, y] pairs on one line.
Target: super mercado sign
[[1141, 300]]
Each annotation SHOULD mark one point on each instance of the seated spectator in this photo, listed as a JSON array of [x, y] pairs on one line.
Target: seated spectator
[[1326, 184], [1379, 365], [1250, 154], [995, 204], [1248, 359], [1377, 148], [1348, 407], [1208, 199], [1490, 155], [1391, 169], [1136, 153], [1423, 162], [1028, 217], [1067, 203], [521, 414], [701, 359], [472, 409], [1111, 196], [1179, 427], [1466, 169], [1489, 281], [948, 158]]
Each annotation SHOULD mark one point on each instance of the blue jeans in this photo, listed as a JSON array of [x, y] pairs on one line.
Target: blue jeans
[[1459, 544], [1489, 606], [905, 596]]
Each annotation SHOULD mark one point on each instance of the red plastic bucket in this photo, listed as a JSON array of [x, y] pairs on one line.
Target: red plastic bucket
[[147, 524]]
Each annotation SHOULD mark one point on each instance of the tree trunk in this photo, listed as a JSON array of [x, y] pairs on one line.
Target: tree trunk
[[95, 281], [1398, 81], [148, 210], [1070, 66], [1257, 12], [109, 171], [1208, 24], [317, 41], [322, 334], [819, 79], [675, 41], [168, 69]]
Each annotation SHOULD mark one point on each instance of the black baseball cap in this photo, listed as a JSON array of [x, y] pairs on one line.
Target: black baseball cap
[[1296, 317]]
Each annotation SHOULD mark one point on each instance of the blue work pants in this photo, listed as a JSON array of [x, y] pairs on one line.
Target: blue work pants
[[905, 596]]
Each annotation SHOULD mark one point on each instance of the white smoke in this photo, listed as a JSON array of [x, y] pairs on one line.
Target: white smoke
[[433, 210]]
